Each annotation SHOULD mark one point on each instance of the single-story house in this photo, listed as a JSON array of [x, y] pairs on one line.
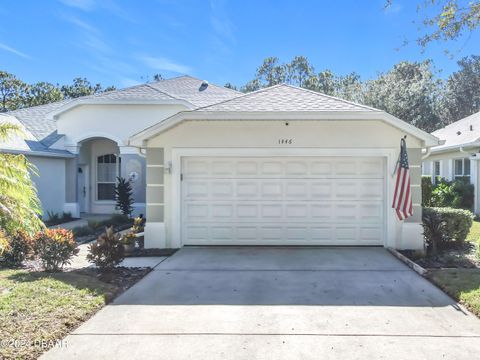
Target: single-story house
[[211, 166], [458, 156], [80, 146]]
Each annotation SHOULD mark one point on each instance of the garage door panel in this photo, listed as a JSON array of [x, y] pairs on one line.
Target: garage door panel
[[278, 201]]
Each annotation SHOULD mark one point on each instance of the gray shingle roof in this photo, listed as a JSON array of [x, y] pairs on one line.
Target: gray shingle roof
[[190, 89], [36, 121], [459, 132], [43, 130], [138, 92], [285, 97]]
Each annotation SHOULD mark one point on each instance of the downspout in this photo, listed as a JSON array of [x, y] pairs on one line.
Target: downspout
[[427, 153]]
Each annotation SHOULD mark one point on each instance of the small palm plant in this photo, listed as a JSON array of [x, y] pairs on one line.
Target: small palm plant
[[19, 203], [123, 196]]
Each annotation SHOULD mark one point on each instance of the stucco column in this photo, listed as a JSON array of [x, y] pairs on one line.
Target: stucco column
[[474, 167], [155, 236]]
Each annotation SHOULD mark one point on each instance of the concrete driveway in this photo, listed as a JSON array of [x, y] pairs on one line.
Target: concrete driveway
[[278, 303]]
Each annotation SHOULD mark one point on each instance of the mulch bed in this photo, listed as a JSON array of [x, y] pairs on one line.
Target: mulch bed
[[151, 252], [463, 257], [123, 278]]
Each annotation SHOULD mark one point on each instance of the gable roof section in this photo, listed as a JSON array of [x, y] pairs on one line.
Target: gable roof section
[[190, 89], [285, 97], [37, 122], [283, 102], [462, 133], [184, 90], [27, 143]]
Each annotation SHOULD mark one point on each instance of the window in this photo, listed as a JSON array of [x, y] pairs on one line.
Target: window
[[462, 168], [108, 168], [436, 168]]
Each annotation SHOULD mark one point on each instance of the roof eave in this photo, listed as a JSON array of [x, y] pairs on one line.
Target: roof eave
[[142, 137], [79, 102], [471, 144], [38, 153]]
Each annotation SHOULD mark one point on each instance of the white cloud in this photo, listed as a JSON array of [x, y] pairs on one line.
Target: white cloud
[[85, 5], [14, 51], [161, 63]]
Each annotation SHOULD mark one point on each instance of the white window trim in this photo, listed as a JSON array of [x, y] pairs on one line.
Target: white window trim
[[117, 174], [455, 175]]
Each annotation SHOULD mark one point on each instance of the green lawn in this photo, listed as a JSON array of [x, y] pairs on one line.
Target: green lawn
[[461, 284], [474, 234], [37, 306]]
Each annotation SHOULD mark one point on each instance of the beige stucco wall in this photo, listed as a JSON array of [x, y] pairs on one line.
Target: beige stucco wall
[[116, 122], [304, 134]]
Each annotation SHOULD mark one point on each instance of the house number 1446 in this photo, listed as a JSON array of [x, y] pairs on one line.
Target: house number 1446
[[285, 141]]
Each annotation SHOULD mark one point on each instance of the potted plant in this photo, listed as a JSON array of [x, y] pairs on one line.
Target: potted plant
[[128, 241]]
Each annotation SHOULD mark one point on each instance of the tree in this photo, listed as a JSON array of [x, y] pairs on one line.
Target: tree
[[409, 91], [461, 96], [157, 77], [230, 86], [270, 72], [12, 92], [124, 196], [19, 203], [82, 87], [446, 20], [298, 71], [42, 93]]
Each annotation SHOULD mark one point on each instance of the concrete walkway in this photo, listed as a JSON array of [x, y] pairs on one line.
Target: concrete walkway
[[278, 303], [79, 261]]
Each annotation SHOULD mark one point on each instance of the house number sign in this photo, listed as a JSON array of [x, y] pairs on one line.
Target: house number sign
[[285, 141]]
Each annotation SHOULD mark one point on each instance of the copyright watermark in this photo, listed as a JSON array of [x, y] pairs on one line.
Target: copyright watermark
[[38, 343]]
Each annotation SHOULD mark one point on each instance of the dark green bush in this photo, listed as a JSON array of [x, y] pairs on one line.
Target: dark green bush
[[456, 194], [457, 223], [124, 196], [83, 231], [427, 188]]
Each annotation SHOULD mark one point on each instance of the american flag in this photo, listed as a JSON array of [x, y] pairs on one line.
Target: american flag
[[402, 197]]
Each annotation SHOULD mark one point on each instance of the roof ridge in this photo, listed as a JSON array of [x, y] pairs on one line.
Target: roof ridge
[[168, 94], [239, 96], [318, 93]]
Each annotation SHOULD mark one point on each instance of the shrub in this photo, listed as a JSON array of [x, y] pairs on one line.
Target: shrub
[[124, 196], [458, 194], [4, 245], [457, 223], [83, 231], [138, 225], [434, 231], [129, 238], [427, 188], [107, 251], [55, 247], [20, 246], [118, 219], [464, 194]]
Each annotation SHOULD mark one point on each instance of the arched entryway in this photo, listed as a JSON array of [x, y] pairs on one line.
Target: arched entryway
[[99, 165]]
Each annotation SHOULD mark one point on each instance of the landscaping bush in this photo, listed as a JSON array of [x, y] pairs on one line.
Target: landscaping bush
[[427, 188], [56, 219], [55, 247], [3, 242], [456, 194], [20, 246], [455, 228], [107, 251], [83, 231], [124, 196]]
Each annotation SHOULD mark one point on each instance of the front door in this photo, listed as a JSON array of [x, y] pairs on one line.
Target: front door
[[82, 189]]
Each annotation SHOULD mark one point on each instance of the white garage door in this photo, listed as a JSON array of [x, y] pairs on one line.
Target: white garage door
[[282, 200]]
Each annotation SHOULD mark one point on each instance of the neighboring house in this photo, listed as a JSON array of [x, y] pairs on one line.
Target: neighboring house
[[458, 156], [80, 146], [279, 166], [211, 166]]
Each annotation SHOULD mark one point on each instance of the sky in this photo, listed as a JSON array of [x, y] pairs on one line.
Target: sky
[[125, 42]]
